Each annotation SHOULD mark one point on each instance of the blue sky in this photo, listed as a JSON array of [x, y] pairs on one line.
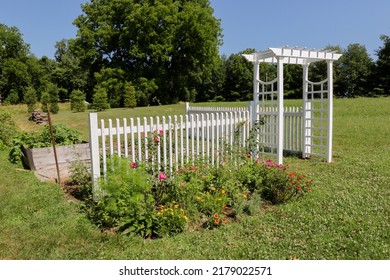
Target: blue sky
[[257, 24]]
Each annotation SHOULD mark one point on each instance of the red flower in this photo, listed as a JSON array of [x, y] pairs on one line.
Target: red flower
[[162, 176], [161, 132], [133, 165]]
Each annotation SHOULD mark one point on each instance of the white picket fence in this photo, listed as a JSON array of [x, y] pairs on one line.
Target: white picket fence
[[293, 123], [205, 134], [167, 142]]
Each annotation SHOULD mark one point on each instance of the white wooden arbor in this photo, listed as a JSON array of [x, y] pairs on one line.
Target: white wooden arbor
[[317, 109]]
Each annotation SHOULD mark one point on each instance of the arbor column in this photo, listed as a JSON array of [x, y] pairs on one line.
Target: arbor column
[[280, 128], [330, 111], [307, 115], [256, 78]]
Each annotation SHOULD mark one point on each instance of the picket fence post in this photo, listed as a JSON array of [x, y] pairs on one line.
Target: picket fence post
[[94, 150]]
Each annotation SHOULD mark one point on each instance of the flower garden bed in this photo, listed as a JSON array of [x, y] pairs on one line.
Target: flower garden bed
[[156, 204]]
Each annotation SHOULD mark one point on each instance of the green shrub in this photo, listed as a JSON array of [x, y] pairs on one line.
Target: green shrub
[[280, 185], [8, 128], [80, 175], [50, 98], [130, 100], [171, 219], [30, 98], [12, 98], [77, 101], [100, 99], [126, 202]]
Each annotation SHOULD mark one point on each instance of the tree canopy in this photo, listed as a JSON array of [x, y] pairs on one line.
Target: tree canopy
[[171, 45], [148, 52]]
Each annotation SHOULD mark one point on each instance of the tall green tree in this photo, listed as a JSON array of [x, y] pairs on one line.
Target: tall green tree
[[13, 69], [18, 68], [170, 44], [239, 77], [382, 73], [355, 71], [68, 74], [113, 81]]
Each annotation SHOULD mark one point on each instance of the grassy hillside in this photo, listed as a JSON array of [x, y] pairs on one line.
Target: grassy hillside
[[347, 216]]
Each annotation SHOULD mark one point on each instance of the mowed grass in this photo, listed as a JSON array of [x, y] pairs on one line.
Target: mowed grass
[[347, 216]]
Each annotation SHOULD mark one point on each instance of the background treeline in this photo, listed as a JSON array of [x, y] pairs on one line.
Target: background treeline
[[130, 53]]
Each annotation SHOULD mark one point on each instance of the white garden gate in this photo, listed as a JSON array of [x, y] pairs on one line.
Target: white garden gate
[[268, 105]]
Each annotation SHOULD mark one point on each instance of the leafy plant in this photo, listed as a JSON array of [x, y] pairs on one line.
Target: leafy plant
[[81, 177], [62, 136], [126, 203], [171, 219], [280, 185], [7, 127]]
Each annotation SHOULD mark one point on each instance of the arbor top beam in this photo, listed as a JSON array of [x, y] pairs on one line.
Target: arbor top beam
[[292, 55]]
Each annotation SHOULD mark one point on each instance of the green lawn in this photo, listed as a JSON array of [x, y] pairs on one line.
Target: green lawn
[[347, 216]]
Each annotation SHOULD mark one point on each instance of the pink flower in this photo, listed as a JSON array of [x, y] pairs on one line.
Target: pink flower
[[133, 165], [162, 176], [161, 132]]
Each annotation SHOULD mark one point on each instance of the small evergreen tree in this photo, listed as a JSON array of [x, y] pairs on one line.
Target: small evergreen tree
[[54, 98], [13, 98], [45, 99], [130, 100], [30, 98], [100, 100], [50, 97], [77, 101]]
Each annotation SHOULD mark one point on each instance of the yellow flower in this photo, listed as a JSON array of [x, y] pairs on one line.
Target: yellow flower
[[223, 191], [244, 196]]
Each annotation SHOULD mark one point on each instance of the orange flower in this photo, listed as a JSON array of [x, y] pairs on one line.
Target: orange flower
[[224, 220], [216, 216], [216, 222]]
